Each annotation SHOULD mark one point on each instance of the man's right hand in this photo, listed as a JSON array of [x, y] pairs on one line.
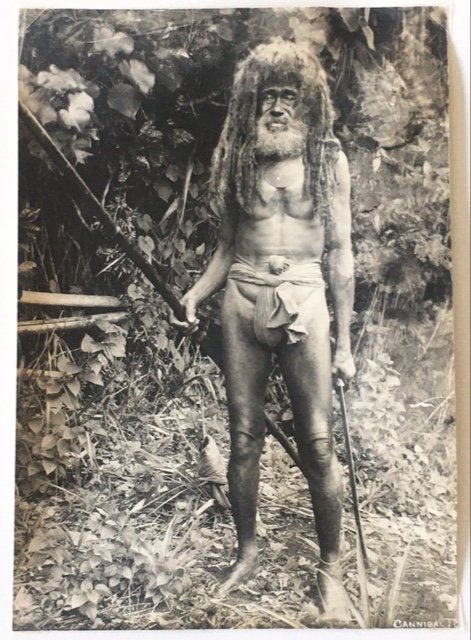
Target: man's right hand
[[190, 325]]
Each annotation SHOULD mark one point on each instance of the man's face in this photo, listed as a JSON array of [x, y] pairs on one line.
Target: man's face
[[280, 132]]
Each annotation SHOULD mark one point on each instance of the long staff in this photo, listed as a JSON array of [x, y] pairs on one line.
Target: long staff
[[351, 468], [80, 190]]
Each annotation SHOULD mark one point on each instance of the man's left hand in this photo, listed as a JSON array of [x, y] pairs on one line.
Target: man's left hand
[[343, 366]]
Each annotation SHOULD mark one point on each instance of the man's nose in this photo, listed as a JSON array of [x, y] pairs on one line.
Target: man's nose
[[277, 109]]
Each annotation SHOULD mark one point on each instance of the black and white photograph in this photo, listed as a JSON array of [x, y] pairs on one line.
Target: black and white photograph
[[235, 372]]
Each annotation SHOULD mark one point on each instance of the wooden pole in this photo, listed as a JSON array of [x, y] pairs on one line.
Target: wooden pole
[[63, 324], [44, 298], [80, 190]]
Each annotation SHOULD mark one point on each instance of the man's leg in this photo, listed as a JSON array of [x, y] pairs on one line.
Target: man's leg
[[306, 368], [246, 368]]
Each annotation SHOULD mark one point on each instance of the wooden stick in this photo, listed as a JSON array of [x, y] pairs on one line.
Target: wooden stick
[[351, 470], [39, 373], [63, 324], [80, 190], [44, 298]]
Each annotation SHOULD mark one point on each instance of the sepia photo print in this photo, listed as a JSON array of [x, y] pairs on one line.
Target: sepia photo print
[[235, 404]]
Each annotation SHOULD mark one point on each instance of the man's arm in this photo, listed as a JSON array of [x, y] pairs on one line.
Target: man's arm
[[215, 275], [340, 266]]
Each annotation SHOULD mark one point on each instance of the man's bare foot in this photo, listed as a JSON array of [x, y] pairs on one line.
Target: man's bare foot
[[242, 570], [335, 602]]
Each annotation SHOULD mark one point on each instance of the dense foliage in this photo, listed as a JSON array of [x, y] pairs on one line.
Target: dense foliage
[[136, 100]]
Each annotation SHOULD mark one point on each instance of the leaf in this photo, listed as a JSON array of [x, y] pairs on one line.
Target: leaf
[[23, 600], [369, 36], [48, 442], [105, 39], [376, 163], [37, 543], [102, 588], [139, 74], [146, 244], [60, 81], [52, 387], [32, 470], [36, 424], [49, 466], [427, 168], [93, 377], [74, 386], [163, 188], [118, 350], [225, 31], [125, 99], [138, 506], [37, 99], [186, 184], [90, 610], [162, 578], [127, 573], [395, 589], [180, 137], [88, 345], [143, 162], [171, 209], [27, 267], [220, 496], [79, 148], [200, 249], [212, 466], [79, 112]]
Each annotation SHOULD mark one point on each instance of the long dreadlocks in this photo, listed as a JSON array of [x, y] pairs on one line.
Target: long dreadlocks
[[234, 166]]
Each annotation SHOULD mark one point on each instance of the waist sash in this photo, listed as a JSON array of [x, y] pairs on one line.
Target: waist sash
[[276, 306]]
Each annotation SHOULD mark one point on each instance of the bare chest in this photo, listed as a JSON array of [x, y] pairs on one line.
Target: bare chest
[[280, 192], [282, 202]]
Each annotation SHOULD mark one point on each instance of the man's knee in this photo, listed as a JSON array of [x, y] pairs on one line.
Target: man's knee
[[319, 453], [245, 448]]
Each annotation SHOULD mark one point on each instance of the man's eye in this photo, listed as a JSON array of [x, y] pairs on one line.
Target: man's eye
[[268, 97], [289, 97]]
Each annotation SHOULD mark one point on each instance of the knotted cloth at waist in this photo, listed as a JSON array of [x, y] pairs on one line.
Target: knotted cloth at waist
[[276, 306]]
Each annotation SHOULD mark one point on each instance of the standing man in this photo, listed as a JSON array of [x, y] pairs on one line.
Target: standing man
[[283, 188]]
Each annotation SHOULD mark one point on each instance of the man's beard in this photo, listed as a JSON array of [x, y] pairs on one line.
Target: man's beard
[[280, 144]]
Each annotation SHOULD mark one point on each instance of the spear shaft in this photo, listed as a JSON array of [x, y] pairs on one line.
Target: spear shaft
[[351, 468]]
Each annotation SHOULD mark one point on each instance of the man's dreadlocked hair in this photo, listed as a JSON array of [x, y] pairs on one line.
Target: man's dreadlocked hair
[[234, 166]]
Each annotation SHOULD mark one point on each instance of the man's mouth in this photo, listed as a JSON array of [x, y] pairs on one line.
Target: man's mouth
[[277, 126]]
